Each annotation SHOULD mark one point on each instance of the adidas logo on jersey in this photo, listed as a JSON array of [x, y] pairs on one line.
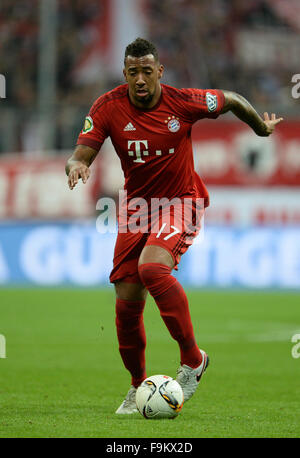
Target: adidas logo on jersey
[[129, 127]]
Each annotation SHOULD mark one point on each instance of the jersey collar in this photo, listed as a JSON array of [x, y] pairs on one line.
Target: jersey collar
[[147, 109]]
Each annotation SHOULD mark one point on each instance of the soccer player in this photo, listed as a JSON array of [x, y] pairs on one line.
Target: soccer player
[[150, 125]]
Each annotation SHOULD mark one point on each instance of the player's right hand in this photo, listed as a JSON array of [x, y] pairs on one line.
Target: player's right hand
[[78, 171]]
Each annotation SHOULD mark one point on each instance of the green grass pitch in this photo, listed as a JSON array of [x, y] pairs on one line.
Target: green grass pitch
[[63, 376]]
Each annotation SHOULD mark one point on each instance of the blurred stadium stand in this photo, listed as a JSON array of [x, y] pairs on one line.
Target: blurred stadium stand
[[58, 60], [250, 47]]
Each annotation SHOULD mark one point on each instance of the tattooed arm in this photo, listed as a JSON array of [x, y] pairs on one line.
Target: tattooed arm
[[245, 112]]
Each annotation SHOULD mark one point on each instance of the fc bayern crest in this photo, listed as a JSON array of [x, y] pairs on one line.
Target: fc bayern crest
[[173, 124]]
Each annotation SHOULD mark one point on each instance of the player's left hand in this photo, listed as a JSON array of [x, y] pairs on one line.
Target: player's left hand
[[270, 123]]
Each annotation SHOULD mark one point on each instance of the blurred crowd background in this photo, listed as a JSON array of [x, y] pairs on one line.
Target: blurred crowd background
[[250, 47], [58, 56]]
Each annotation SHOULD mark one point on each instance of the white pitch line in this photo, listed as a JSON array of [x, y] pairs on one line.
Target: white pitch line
[[274, 335]]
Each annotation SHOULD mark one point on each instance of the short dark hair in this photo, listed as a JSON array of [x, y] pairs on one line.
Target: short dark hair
[[140, 47]]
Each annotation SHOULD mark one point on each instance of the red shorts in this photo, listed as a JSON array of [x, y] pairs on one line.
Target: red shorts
[[173, 230]]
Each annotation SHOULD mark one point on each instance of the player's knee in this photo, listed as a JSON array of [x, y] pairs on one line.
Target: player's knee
[[130, 291], [152, 272], [127, 311], [156, 277]]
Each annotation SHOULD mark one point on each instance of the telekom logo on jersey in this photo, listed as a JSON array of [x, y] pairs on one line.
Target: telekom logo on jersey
[[138, 151]]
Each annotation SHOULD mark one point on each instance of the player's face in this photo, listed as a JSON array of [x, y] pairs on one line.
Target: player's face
[[142, 75]]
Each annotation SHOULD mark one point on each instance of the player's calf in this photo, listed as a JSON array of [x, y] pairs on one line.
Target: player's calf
[[173, 305]]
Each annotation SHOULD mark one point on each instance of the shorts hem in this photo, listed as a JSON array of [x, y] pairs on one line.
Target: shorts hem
[[125, 280]]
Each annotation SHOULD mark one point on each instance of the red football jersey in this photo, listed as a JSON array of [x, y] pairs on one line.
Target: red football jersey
[[154, 145]]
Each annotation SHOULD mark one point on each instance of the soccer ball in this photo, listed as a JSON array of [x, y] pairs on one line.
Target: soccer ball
[[159, 396]]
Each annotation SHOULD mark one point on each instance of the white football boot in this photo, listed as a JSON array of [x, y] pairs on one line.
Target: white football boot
[[189, 378], [128, 406]]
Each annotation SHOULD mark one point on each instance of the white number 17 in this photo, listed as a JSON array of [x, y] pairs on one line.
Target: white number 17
[[167, 237]]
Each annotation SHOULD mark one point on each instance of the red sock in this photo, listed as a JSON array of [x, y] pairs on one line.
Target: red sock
[[174, 309], [132, 338]]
